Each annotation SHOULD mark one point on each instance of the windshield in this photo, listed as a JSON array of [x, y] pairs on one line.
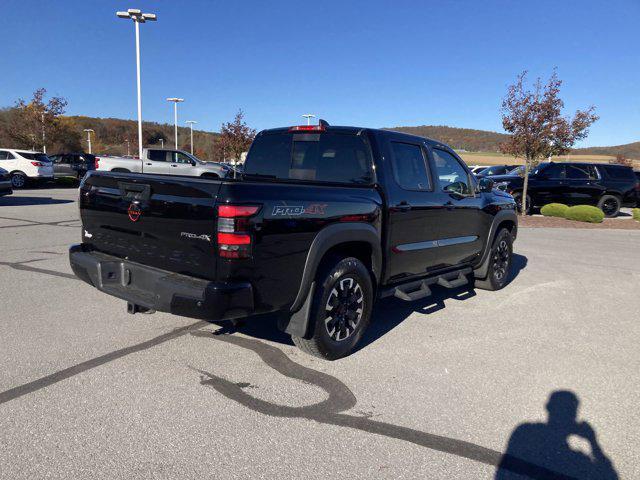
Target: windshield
[[40, 157], [495, 170], [517, 171]]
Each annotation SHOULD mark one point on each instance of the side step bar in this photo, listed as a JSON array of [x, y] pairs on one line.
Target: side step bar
[[416, 290]]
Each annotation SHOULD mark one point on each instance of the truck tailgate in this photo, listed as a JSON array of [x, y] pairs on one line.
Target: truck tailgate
[[160, 221]]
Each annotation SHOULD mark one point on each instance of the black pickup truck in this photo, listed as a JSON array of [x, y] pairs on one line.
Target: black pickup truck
[[324, 221]]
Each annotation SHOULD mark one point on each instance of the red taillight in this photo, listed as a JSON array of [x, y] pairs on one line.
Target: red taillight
[[231, 211], [97, 163], [234, 240], [37, 164], [307, 128]]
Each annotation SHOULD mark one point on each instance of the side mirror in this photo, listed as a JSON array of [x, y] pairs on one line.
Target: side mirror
[[485, 185]]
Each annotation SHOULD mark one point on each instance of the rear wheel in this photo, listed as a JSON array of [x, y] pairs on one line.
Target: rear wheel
[[500, 258], [610, 205], [341, 310], [18, 180]]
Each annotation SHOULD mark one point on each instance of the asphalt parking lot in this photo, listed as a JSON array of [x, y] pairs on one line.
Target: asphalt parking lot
[[88, 391]]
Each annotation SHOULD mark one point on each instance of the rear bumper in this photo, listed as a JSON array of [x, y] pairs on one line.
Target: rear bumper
[[160, 289]]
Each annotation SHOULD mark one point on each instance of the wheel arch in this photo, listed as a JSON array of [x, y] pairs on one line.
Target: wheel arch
[[503, 219], [360, 240]]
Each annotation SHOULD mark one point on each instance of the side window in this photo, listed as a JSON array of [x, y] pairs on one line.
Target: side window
[[158, 155], [452, 176], [410, 167], [179, 157], [554, 171], [580, 172], [3, 155]]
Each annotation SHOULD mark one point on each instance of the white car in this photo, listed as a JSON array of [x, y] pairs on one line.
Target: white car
[[25, 166]]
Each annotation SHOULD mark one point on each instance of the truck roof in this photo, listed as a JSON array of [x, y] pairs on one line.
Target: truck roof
[[354, 130]]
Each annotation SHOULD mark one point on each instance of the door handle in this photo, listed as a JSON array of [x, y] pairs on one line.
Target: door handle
[[403, 207], [148, 163], [174, 165], [449, 205]]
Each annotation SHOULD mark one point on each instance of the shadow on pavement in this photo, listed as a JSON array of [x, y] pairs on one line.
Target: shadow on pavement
[[548, 445], [16, 201], [387, 314]]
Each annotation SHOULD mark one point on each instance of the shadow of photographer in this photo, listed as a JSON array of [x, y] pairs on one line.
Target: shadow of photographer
[[554, 445]]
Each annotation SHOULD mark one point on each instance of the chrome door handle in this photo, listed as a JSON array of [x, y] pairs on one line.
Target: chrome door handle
[[403, 207]]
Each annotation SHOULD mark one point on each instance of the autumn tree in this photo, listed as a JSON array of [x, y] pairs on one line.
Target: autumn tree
[[235, 138], [36, 122], [538, 130]]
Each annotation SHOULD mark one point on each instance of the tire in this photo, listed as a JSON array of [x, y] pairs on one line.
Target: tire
[[518, 198], [341, 310], [18, 180], [610, 205], [500, 262]]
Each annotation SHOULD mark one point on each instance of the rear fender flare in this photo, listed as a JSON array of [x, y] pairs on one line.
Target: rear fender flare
[[296, 322]]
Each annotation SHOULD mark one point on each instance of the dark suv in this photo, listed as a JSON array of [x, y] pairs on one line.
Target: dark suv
[[608, 187], [72, 164]]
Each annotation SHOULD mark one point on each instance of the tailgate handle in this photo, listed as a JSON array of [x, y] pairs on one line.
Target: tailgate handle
[[135, 191]]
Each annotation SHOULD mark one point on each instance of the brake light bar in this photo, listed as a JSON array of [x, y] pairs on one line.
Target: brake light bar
[[37, 164], [97, 163], [234, 238], [307, 128]]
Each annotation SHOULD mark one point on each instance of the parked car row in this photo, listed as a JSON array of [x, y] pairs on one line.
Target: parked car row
[[24, 167], [609, 187]]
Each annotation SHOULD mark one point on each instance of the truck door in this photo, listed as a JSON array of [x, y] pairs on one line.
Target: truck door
[[583, 185], [548, 184], [414, 211], [181, 164], [462, 225], [158, 161]]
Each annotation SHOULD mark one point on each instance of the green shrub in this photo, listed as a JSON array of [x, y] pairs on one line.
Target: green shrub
[[585, 213], [554, 210], [636, 214]]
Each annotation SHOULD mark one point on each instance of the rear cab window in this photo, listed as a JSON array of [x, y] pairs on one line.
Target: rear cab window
[[410, 166], [332, 157]]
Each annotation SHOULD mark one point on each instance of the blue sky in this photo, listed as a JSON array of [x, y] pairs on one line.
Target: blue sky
[[372, 63]]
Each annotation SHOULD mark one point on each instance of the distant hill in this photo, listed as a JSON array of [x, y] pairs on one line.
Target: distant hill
[[111, 135], [459, 138], [629, 150]]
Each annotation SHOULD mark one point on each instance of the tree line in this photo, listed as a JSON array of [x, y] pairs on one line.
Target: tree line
[[39, 122]]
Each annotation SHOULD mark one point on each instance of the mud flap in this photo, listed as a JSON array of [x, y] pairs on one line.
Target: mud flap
[[297, 324]]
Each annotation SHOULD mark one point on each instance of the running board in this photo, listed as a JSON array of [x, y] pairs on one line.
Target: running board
[[418, 289]]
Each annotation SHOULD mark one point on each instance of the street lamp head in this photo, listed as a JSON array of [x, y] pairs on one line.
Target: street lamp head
[[175, 99], [191, 121], [136, 15], [89, 130]]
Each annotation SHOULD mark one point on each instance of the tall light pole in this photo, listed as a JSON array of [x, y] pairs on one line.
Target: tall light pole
[[308, 116], [127, 140], [162, 143], [175, 101], [44, 143], [138, 17], [191, 122], [89, 132]]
